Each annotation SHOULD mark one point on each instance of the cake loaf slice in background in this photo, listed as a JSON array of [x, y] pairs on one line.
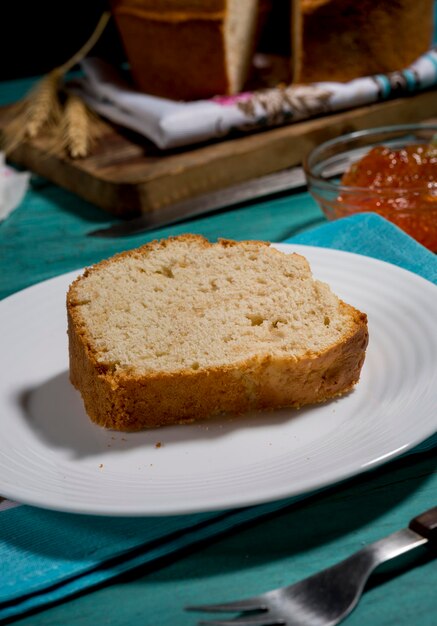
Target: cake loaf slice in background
[[339, 40], [182, 329], [188, 49]]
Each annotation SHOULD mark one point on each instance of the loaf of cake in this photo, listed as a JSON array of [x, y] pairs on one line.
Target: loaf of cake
[[339, 40], [188, 49], [195, 49], [183, 329]]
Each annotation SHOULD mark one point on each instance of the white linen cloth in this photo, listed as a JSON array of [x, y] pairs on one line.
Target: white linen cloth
[[171, 124]]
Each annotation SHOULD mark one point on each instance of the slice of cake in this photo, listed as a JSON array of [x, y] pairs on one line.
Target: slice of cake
[[182, 329], [339, 40]]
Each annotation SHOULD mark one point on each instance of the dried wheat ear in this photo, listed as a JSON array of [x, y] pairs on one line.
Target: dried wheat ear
[[66, 119]]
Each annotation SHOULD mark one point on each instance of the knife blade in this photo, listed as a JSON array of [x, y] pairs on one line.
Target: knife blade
[[261, 187]]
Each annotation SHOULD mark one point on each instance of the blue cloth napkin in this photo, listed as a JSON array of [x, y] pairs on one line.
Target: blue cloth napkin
[[47, 556]]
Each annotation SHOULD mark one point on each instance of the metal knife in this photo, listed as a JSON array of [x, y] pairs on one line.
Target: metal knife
[[262, 187]]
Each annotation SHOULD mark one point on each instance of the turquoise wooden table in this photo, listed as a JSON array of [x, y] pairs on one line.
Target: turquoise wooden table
[[45, 237]]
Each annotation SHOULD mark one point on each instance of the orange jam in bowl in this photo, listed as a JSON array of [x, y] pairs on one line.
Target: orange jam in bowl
[[390, 171], [404, 182]]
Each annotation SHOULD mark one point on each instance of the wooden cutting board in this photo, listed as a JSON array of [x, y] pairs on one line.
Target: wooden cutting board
[[127, 175]]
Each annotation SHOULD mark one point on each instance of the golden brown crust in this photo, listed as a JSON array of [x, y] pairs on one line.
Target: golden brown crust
[[125, 401], [162, 9], [192, 64], [186, 50], [177, 70]]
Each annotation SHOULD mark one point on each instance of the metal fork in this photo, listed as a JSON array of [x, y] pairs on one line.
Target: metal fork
[[328, 597]]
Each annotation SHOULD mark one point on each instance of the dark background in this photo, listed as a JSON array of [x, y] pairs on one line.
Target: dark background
[[35, 36]]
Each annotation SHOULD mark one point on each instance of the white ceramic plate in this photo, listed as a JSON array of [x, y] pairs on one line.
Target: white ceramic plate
[[52, 456]]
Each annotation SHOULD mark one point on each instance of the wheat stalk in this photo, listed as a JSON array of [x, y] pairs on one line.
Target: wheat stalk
[[76, 127], [43, 104], [41, 108], [79, 128], [88, 45]]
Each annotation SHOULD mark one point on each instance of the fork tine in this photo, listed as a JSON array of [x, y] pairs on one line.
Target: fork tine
[[245, 620], [250, 604]]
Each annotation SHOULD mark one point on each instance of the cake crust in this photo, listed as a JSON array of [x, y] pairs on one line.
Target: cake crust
[[340, 40], [200, 57]]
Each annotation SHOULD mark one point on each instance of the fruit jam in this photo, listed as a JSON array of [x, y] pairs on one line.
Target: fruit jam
[[404, 189]]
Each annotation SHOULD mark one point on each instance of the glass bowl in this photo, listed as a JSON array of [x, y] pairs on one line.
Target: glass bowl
[[412, 208]]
